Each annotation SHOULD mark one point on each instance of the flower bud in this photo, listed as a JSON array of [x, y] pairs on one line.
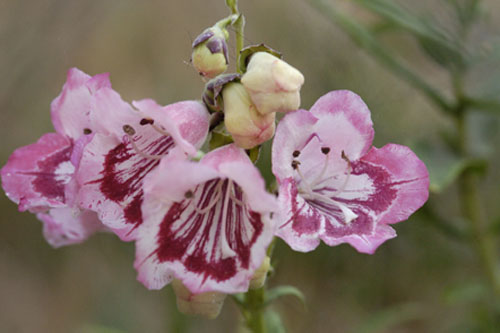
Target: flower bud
[[260, 275], [247, 126], [273, 85], [210, 55], [207, 305]]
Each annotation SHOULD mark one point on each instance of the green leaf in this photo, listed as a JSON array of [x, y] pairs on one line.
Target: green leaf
[[273, 322], [444, 166], [433, 40], [365, 39], [281, 291], [386, 319]]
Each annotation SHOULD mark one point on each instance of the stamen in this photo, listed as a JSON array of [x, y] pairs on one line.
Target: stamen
[[189, 194], [87, 131], [232, 195], [225, 248], [129, 130], [296, 153], [295, 164], [319, 179], [146, 121], [139, 151], [212, 203], [308, 193], [159, 130]]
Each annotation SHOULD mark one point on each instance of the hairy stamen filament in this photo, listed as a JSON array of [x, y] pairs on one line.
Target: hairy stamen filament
[[225, 248], [140, 152], [319, 179], [308, 193], [218, 193], [159, 130]]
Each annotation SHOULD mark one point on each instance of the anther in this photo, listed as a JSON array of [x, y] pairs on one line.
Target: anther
[[296, 153], [87, 131], [189, 194], [325, 150], [295, 164], [128, 129], [146, 121]]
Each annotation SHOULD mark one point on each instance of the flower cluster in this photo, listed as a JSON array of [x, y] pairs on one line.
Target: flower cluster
[[202, 217]]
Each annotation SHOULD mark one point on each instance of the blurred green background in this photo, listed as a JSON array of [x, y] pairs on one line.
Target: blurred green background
[[422, 281]]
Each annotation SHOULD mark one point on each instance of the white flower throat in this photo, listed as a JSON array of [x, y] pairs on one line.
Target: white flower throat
[[309, 191]]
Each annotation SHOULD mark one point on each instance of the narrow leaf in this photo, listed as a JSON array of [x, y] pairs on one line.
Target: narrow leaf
[[284, 291]]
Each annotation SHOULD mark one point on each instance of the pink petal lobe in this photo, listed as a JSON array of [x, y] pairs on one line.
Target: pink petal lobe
[[294, 131], [344, 123], [71, 110], [111, 177], [186, 122], [66, 226], [200, 228], [35, 176], [409, 177]]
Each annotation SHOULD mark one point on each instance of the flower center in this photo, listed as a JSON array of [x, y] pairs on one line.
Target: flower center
[[309, 191]]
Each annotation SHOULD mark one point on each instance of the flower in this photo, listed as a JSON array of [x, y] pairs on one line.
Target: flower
[[129, 144], [41, 177], [207, 224], [246, 125], [273, 85], [210, 54], [333, 186]]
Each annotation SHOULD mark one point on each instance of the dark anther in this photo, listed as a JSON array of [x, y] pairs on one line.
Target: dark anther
[[128, 129], [189, 194], [325, 150], [345, 158], [296, 153], [87, 131], [295, 164], [146, 121]]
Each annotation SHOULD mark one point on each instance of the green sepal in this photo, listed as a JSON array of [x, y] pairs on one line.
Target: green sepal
[[245, 54]]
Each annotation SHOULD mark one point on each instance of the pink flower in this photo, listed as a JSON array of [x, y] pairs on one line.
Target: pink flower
[[41, 177], [207, 224], [333, 185], [128, 145]]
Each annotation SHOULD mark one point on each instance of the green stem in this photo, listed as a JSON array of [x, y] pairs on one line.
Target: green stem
[[239, 27], [254, 305], [472, 211]]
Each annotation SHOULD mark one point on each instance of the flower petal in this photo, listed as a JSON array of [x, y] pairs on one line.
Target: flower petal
[[71, 110], [293, 133], [66, 226], [111, 176], [186, 121], [199, 228], [409, 177], [344, 123], [35, 176]]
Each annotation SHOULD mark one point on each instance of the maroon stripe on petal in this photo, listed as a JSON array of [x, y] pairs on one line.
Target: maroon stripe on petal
[[123, 173], [214, 239], [54, 172]]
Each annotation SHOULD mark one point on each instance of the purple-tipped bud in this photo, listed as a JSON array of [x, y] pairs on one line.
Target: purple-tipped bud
[[210, 54], [212, 94]]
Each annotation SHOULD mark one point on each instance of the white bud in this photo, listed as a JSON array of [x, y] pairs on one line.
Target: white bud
[[273, 85]]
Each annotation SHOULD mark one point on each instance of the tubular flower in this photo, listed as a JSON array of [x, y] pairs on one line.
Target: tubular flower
[[41, 177], [127, 147], [207, 224], [333, 185], [273, 85], [247, 126]]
